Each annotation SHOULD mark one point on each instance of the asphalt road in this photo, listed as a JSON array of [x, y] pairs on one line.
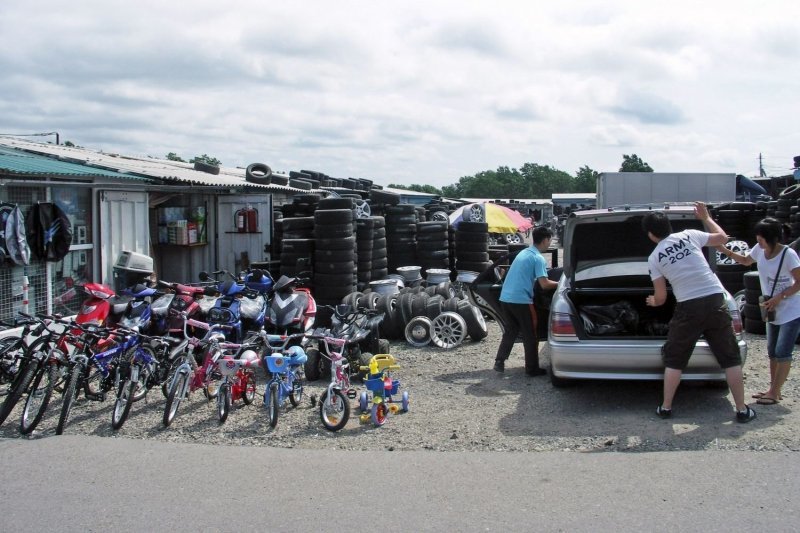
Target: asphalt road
[[80, 483]]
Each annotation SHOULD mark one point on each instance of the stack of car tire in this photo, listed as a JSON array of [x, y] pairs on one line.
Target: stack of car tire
[[276, 244], [790, 199], [751, 314], [335, 254], [472, 246], [379, 200], [421, 315], [433, 245], [401, 235], [297, 244], [380, 260]]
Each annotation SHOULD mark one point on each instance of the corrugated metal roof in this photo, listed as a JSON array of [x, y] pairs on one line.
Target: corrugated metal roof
[[19, 162], [158, 170]]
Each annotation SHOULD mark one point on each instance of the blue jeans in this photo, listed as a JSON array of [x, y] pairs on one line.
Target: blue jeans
[[781, 339]]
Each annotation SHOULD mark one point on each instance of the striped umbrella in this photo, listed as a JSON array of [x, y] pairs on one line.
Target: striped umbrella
[[500, 219]]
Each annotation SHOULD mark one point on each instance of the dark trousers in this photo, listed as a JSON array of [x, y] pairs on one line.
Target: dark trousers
[[520, 318]]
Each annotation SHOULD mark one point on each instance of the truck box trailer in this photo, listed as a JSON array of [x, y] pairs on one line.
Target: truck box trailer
[[643, 188]]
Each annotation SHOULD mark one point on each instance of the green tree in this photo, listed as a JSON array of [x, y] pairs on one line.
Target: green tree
[[206, 159], [69, 143], [172, 156], [585, 180], [633, 163]]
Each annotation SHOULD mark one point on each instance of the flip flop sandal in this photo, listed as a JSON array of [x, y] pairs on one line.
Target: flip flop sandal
[[764, 400], [761, 395]]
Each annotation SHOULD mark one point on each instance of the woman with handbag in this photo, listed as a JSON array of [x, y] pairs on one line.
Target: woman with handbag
[[779, 274]]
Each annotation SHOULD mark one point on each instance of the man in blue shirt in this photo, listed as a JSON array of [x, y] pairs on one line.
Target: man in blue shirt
[[516, 300]]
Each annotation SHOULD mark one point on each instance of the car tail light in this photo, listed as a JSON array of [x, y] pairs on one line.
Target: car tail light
[[561, 325]]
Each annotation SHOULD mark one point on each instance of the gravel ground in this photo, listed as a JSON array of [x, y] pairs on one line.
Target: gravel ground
[[459, 403]]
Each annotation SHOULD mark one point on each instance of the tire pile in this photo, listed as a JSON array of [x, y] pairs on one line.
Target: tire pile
[[738, 219], [424, 314], [335, 254], [433, 245], [472, 246], [401, 235], [748, 305], [371, 247]]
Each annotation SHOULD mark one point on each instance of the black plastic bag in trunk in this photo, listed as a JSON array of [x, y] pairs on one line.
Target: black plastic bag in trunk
[[619, 317]]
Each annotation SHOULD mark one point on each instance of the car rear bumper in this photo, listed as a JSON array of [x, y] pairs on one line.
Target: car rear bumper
[[634, 360]]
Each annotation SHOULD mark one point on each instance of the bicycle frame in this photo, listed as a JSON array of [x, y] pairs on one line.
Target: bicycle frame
[[285, 363]]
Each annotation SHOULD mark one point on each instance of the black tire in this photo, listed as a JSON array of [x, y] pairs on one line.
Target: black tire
[[205, 167], [41, 390], [273, 405], [336, 203], [384, 197], [327, 217], [472, 257], [300, 184], [756, 327], [297, 223], [70, 393], [224, 402], [249, 395], [280, 180], [330, 267], [337, 414], [342, 243], [472, 227], [419, 304], [476, 325], [296, 396], [298, 246], [258, 173], [18, 387], [791, 192], [313, 366], [174, 398], [123, 403]]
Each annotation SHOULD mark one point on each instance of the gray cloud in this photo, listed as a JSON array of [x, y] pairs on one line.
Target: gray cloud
[[647, 108]]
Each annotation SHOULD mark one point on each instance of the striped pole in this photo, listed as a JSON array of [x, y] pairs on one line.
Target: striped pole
[[25, 287]]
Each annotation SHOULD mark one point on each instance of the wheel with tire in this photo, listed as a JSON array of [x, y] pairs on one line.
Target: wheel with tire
[[123, 403], [258, 173], [418, 331], [224, 402], [41, 390], [176, 394], [206, 167], [404, 402], [272, 404], [313, 365], [379, 413], [363, 209], [75, 377], [558, 382], [448, 330], [296, 396], [334, 410], [363, 402], [476, 324], [249, 395]]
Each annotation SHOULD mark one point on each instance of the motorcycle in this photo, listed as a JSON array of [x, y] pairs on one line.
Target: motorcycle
[[242, 302], [292, 308]]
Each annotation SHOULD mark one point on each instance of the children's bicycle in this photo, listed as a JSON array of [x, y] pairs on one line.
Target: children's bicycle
[[237, 367], [334, 404], [379, 382], [286, 365]]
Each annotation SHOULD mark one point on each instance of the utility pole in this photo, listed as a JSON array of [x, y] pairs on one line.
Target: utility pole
[[761, 166]]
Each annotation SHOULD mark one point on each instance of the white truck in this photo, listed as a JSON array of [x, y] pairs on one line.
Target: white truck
[[643, 188]]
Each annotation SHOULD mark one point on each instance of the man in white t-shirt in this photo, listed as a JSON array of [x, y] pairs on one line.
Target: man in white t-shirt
[[700, 308]]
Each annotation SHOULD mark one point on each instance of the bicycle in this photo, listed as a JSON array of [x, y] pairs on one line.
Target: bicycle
[[334, 403], [238, 374], [96, 373], [286, 365], [189, 376], [24, 361]]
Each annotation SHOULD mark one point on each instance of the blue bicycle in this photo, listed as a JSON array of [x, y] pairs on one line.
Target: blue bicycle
[[285, 363]]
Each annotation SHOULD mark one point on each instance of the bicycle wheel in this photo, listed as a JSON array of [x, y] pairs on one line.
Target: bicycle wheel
[[141, 389], [224, 402], [249, 387], [176, 393], [334, 410], [379, 413], [173, 366], [272, 405], [41, 391], [75, 377], [17, 389], [125, 399], [296, 396], [11, 348]]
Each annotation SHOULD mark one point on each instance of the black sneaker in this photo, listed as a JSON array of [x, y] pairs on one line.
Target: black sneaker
[[663, 413], [745, 416], [536, 372], [500, 365]]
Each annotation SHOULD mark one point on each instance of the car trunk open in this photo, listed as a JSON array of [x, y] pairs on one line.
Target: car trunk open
[[606, 265]]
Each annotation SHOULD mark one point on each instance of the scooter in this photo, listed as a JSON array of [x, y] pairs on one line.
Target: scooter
[[182, 299], [292, 309]]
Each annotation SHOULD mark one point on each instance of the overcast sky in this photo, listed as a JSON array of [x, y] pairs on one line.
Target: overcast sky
[[411, 92]]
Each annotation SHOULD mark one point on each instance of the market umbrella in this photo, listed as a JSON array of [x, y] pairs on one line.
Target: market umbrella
[[500, 219]]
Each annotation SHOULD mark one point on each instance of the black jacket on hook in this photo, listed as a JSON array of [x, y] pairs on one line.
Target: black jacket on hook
[[49, 231]]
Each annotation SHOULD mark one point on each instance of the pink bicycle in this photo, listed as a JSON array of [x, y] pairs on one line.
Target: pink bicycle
[[334, 404]]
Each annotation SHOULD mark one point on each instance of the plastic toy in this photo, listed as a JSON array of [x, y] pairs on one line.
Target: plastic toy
[[383, 387]]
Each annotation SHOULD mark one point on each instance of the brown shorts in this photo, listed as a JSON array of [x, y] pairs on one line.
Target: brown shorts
[[707, 316]]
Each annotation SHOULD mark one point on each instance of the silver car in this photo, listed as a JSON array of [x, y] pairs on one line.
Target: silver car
[[599, 326]]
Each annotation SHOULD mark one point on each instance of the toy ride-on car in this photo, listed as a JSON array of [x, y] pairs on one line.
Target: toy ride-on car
[[383, 389]]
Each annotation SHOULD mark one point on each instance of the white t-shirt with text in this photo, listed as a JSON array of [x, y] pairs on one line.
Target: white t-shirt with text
[[787, 309], [679, 258]]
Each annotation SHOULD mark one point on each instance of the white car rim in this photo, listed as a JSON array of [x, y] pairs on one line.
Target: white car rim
[[513, 238], [479, 318], [440, 216], [449, 330], [362, 209], [418, 331], [476, 213]]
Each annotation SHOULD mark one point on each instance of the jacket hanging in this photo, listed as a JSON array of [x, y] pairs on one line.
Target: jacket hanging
[[49, 231], [13, 243]]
